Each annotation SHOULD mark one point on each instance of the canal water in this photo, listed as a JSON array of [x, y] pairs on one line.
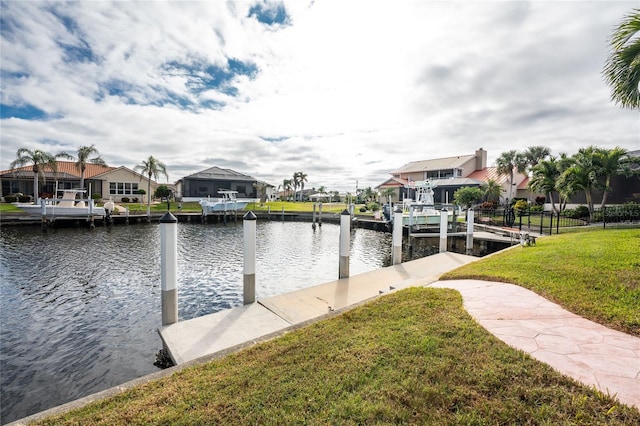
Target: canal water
[[80, 308]]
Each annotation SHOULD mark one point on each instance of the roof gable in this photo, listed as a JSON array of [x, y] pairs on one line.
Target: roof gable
[[435, 164], [219, 173]]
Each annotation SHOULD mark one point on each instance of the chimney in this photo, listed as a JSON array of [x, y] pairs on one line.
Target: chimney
[[481, 159]]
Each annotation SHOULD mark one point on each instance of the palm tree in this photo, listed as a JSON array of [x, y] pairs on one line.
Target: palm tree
[[544, 179], [151, 167], [534, 154], [492, 190], [84, 152], [507, 162], [286, 187], [388, 192], [40, 161], [610, 163], [622, 69], [581, 175], [302, 178]]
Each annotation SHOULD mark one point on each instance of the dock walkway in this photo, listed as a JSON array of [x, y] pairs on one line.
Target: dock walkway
[[188, 340]]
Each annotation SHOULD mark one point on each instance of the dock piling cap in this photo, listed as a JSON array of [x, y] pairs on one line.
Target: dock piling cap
[[249, 216], [168, 218], [345, 211]]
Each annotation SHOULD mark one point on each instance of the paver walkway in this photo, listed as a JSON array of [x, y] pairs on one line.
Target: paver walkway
[[588, 352]]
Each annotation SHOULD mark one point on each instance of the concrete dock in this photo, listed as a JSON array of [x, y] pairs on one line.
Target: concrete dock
[[188, 340]]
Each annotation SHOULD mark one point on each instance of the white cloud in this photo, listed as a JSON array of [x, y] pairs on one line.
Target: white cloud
[[348, 90]]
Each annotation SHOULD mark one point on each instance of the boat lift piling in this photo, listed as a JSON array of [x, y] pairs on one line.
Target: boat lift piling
[[397, 237], [345, 234], [443, 230], [169, 268], [469, 246], [249, 263], [313, 220]]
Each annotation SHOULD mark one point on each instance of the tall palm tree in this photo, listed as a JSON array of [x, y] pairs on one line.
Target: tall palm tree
[[302, 178], [507, 162], [40, 161], [581, 175], [286, 187], [610, 163], [534, 154], [151, 167], [544, 180], [492, 190], [622, 69], [84, 152]]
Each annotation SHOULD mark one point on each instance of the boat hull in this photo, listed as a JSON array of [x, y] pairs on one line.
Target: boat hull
[[219, 206], [57, 211]]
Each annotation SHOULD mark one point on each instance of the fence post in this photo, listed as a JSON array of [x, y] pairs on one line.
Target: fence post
[[542, 214], [397, 237], [443, 230], [169, 267], [345, 233], [469, 232], [551, 224], [558, 224], [604, 217], [249, 275]]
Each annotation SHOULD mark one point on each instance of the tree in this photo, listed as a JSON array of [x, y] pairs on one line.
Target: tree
[[40, 161], [534, 154], [163, 191], [286, 187], [151, 167], [610, 163], [299, 178], [467, 196], [84, 152], [581, 175], [622, 68], [507, 162], [544, 179], [492, 190]]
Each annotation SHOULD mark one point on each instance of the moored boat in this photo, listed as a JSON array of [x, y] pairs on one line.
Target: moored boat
[[228, 202], [65, 206]]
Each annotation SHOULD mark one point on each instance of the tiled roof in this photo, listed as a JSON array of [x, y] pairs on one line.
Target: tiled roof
[[489, 173], [523, 184], [66, 169], [435, 164], [393, 182]]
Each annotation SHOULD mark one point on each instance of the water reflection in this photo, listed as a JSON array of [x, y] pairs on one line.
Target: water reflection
[[80, 308]]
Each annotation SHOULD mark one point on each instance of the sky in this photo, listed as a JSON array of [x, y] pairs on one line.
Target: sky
[[344, 91]]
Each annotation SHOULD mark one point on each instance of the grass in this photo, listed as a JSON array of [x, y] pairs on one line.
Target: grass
[[412, 357], [594, 273]]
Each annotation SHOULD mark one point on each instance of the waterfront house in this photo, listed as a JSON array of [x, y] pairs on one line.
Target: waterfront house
[[208, 182], [111, 183]]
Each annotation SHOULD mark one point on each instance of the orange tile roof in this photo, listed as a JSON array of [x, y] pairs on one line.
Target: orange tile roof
[[69, 167], [489, 173]]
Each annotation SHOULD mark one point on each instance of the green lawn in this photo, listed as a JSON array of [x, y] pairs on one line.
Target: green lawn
[[412, 357], [594, 273]]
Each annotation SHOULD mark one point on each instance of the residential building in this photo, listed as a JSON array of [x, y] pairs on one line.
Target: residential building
[[111, 183], [208, 182]]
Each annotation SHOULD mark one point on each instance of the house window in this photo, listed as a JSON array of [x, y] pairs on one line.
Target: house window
[[123, 188], [241, 189]]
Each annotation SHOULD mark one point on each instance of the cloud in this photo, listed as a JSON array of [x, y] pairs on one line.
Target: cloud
[[343, 91]]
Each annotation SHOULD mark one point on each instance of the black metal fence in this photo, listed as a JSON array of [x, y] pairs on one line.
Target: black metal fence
[[548, 222]]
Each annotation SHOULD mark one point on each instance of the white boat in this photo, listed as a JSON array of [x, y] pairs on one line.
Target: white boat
[[421, 211], [66, 206], [228, 202]]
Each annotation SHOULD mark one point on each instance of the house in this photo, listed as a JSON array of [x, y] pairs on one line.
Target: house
[[449, 174], [208, 182], [111, 183]]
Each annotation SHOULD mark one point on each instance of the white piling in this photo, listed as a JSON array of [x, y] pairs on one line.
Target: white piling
[[397, 237], [313, 222], [443, 230], [470, 232], [249, 278], [345, 235], [320, 213], [169, 267]]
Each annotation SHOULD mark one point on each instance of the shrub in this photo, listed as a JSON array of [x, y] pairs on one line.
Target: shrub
[[125, 199], [489, 205], [141, 191], [24, 198], [134, 200], [96, 197], [536, 208], [579, 212], [540, 200], [373, 207], [521, 205], [10, 199], [363, 209]]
